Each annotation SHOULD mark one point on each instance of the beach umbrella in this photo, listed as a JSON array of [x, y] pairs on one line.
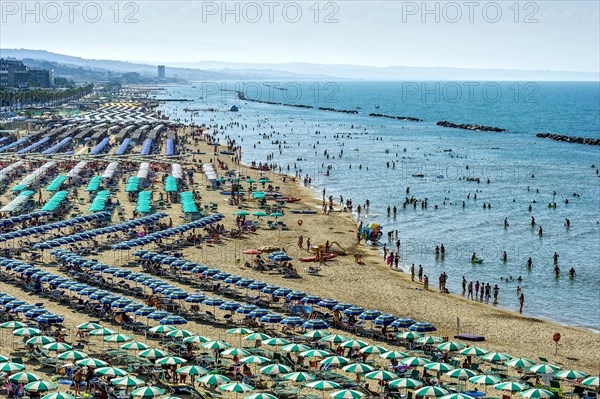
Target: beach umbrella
[[13, 324], [408, 383], [315, 324], [11, 367], [510, 386], [24, 377], [496, 357], [461, 374], [422, 327], [127, 381], [236, 387], [241, 213], [591, 381], [274, 369], [295, 348], [213, 379], [72, 355], [26, 332], [40, 340], [257, 337], [170, 360], [40, 386], [543, 368], [335, 360], [240, 330], [457, 396], [179, 334], [260, 395], [173, 319], [216, 345], [335, 338], [236, 352], [299, 376], [315, 353], [255, 359], [431, 391], [485, 379], [353, 310], [450, 346], [347, 394], [153, 354], [102, 331], [118, 338], [147, 392], [135, 345], [409, 335], [271, 318], [537, 393], [414, 361], [473, 351], [292, 321], [393, 355], [373, 349], [520, 363], [316, 334], [354, 343], [59, 395], [3, 359], [276, 341], [192, 370], [358, 368], [89, 326], [322, 385], [196, 339], [258, 313], [58, 347], [162, 329], [92, 362], [110, 372], [439, 367], [381, 375]]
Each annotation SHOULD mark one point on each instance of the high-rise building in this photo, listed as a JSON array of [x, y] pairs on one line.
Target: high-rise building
[[14, 73], [40, 77], [161, 72]]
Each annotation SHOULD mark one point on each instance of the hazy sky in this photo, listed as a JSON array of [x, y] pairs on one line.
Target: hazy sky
[[547, 35]]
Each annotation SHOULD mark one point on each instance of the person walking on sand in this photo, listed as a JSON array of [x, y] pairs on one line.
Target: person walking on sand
[[426, 283], [412, 273], [420, 274], [300, 242], [521, 301], [308, 244]]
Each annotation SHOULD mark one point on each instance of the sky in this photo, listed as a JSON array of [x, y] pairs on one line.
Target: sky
[[529, 35]]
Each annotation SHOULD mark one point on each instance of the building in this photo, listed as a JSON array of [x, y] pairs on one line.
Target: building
[[40, 77], [14, 73], [161, 72]]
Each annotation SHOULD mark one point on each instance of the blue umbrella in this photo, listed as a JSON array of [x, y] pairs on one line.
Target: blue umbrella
[[258, 313], [295, 295], [121, 303], [342, 306], [23, 308], [229, 306], [327, 303], [270, 289], [221, 276], [384, 319], [232, 279], [132, 307], [282, 292], [246, 309], [271, 318], [144, 311], [311, 299], [173, 319], [14, 304], [369, 315], [178, 295], [292, 321], [245, 282], [315, 324], [211, 272], [199, 269], [354, 310], [403, 323], [195, 298], [212, 302], [257, 285], [49, 318], [422, 327], [35, 312], [158, 315]]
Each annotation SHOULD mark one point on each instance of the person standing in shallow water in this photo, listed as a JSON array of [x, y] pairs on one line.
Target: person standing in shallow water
[[412, 273], [521, 302]]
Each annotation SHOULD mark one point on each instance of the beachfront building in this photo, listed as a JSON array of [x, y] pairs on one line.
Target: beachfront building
[[14, 73], [161, 72]]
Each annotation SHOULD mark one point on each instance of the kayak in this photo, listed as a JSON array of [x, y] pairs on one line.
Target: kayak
[[326, 257]]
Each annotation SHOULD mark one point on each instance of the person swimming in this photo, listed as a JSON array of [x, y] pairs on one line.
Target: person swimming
[[529, 263], [572, 272], [504, 257]]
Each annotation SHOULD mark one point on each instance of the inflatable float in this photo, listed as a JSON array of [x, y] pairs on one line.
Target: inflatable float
[[477, 260], [371, 232], [324, 258]]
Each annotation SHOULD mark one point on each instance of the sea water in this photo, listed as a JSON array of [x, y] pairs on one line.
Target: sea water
[[517, 163]]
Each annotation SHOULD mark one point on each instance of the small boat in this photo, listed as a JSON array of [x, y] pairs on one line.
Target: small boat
[[227, 152], [325, 257], [418, 175], [304, 211], [291, 199]]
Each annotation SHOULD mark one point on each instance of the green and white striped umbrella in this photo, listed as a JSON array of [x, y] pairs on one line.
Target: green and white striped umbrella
[[11, 367], [591, 381], [543, 368], [415, 361], [450, 346], [335, 360], [257, 337], [299, 376], [511, 386], [147, 392], [240, 330], [461, 374], [260, 395], [442, 367], [276, 341], [89, 326], [255, 359], [536, 393], [373, 349], [24, 377], [322, 385], [429, 340], [316, 334], [216, 345], [13, 324], [236, 387], [570, 374], [3, 359], [393, 355], [72, 355], [40, 386], [358, 368], [347, 394], [179, 334], [315, 352], [191, 370], [59, 395], [457, 396], [196, 339], [496, 357], [409, 335], [213, 379], [236, 352], [275, 369], [473, 351], [431, 391], [102, 331], [26, 332], [58, 347], [92, 362], [335, 338], [40, 340], [295, 348], [111, 372], [118, 338], [170, 360], [381, 375], [127, 381], [520, 363], [354, 343], [408, 383], [135, 345], [153, 354], [162, 329], [485, 379]]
